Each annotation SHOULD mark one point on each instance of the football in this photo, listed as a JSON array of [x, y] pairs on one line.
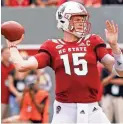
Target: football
[[12, 30]]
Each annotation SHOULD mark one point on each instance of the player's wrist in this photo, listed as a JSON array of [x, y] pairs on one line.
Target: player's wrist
[[113, 44], [12, 46], [115, 49]]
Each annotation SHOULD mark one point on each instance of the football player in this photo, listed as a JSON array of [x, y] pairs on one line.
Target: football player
[[74, 60]]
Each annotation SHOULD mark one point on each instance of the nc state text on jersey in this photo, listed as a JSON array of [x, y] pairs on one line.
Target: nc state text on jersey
[[73, 49]]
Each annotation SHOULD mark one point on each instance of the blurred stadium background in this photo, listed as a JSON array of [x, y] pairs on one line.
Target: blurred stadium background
[[40, 25]]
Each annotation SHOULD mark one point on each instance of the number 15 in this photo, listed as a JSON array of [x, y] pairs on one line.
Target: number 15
[[76, 61]]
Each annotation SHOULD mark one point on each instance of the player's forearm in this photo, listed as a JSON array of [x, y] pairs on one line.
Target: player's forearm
[[20, 68], [20, 64], [16, 58], [115, 49], [118, 56], [111, 64], [15, 55], [114, 64]]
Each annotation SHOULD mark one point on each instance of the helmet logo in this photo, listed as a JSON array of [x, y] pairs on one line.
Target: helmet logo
[[60, 13]]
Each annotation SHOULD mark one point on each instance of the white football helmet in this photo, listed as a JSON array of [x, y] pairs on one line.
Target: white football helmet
[[63, 16]]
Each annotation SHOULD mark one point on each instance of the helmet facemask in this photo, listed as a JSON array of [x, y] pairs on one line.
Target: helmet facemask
[[79, 25]]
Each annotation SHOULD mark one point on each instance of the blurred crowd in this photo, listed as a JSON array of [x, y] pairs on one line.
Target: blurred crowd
[[24, 95], [44, 3]]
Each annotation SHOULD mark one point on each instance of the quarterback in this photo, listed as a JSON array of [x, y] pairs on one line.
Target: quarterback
[[74, 60]]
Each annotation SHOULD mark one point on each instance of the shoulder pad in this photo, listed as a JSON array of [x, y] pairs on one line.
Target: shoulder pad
[[54, 41], [96, 40]]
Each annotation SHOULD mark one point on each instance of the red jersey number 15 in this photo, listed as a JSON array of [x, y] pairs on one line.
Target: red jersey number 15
[[76, 61]]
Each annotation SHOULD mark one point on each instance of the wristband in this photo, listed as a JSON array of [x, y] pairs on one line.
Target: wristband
[[118, 62]]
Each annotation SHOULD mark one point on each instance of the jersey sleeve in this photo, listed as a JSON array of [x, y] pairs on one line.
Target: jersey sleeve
[[43, 59], [97, 41], [46, 47], [99, 47], [44, 56], [101, 52]]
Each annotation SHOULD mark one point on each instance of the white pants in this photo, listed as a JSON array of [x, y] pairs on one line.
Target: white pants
[[78, 113]]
